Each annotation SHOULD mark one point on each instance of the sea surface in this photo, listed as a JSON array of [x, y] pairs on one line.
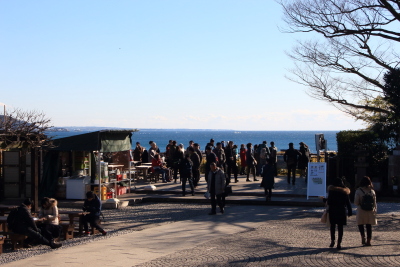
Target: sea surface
[[281, 138]]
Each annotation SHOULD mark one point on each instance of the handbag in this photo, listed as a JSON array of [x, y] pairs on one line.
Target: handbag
[[324, 217]]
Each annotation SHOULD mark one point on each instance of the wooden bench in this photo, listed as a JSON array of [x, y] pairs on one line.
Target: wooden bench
[[17, 240], [2, 238], [67, 230]]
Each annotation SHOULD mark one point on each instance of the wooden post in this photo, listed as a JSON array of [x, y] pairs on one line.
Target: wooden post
[[35, 179]]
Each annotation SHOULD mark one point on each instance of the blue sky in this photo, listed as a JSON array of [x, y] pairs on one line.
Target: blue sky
[[156, 64]]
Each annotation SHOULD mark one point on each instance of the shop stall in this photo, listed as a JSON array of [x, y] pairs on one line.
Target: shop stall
[[99, 161]]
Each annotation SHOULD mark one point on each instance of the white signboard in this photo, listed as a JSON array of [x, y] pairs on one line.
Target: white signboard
[[316, 179]]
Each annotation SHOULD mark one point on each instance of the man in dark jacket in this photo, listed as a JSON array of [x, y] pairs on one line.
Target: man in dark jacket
[[194, 157], [291, 157], [92, 205], [251, 163], [210, 158], [25, 225], [231, 162], [186, 174], [216, 187]]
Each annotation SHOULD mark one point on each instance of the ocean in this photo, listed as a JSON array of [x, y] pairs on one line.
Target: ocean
[[281, 138]]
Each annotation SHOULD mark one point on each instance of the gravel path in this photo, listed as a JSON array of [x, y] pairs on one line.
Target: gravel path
[[290, 236], [119, 222]]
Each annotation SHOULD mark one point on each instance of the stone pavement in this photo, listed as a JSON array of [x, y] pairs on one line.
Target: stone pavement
[[149, 234], [249, 193], [243, 236]]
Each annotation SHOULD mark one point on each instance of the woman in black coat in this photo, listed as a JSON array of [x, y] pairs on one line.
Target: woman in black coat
[[268, 179], [338, 205]]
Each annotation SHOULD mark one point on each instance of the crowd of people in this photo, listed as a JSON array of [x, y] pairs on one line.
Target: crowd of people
[[258, 160]]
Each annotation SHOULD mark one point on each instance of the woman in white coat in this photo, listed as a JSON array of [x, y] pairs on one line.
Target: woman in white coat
[[365, 199]]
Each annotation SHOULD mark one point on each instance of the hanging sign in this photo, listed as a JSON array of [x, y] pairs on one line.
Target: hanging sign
[[316, 179]]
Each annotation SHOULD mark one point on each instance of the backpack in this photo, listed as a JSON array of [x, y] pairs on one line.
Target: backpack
[[367, 201], [12, 218]]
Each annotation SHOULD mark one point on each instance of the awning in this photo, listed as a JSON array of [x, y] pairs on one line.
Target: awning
[[103, 141]]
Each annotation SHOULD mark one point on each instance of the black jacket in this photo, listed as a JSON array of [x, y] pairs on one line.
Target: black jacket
[[338, 204], [195, 160], [186, 168], [24, 220], [93, 206], [291, 156]]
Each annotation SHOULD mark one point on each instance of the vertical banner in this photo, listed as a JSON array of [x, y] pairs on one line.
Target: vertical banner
[[316, 179]]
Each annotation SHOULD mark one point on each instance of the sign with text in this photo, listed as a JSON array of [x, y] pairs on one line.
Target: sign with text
[[316, 179]]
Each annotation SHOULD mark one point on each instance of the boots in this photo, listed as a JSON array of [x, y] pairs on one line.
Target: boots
[[368, 243], [363, 240], [332, 244], [55, 245]]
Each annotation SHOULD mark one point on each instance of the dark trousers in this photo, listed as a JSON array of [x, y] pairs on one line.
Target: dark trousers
[[369, 230], [217, 199], [50, 231], [340, 232], [184, 179], [162, 172], [291, 170], [176, 168], [33, 236], [196, 176], [268, 193], [232, 167], [93, 220], [251, 168], [206, 174]]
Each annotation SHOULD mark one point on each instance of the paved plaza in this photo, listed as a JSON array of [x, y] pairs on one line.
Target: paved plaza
[[183, 234]]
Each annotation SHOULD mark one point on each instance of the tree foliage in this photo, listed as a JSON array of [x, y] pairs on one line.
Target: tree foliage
[[24, 129], [359, 45], [350, 143]]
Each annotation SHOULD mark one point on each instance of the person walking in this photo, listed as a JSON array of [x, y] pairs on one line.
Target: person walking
[[291, 157], [186, 174], [194, 157], [338, 202], [268, 178], [304, 158], [273, 156], [251, 163], [210, 158], [216, 183], [365, 200], [231, 156], [177, 158], [242, 154]]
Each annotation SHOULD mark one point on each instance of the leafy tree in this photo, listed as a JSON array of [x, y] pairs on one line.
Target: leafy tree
[[359, 44], [388, 125]]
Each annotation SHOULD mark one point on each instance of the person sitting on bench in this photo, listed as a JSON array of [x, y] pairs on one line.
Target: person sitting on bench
[[24, 224], [93, 206], [50, 227]]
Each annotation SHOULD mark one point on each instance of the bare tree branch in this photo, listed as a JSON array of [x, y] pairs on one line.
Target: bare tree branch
[[360, 43], [24, 127]]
